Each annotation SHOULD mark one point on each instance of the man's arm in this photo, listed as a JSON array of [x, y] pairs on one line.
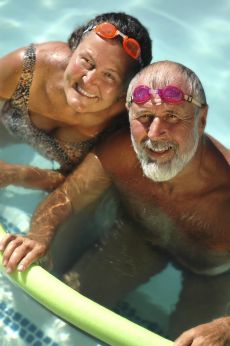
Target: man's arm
[[87, 183]]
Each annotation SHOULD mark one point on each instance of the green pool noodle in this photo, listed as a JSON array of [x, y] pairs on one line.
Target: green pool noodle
[[80, 311]]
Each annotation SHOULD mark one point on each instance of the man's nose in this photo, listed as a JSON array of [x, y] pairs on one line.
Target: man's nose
[[157, 128]]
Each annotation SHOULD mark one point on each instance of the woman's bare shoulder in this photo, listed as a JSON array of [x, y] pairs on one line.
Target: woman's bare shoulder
[[52, 52], [10, 70]]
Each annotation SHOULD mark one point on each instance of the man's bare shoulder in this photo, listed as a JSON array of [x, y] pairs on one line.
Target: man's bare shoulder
[[225, 152], [116, 150]]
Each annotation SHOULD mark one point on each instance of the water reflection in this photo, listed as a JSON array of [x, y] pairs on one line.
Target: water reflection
[[197, 35]]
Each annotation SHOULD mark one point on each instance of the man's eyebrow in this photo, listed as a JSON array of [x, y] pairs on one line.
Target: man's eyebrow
[[149, 110], [171, 111], [142, 112]]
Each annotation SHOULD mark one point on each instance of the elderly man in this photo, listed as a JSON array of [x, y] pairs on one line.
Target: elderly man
[[174, 185]]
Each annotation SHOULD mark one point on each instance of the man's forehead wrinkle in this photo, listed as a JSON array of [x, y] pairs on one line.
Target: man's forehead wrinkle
[[159, 77]]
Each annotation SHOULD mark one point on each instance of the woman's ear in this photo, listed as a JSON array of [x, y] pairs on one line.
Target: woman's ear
[[118, 106], [122, 98]]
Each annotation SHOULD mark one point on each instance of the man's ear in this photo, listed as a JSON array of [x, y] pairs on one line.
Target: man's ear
[[202, 118], [128, 104]]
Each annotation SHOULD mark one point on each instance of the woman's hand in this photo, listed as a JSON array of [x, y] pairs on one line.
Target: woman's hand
[[215, 333], [19, 252]]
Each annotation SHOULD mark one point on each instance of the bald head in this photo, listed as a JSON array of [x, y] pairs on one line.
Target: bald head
[[162, 73]]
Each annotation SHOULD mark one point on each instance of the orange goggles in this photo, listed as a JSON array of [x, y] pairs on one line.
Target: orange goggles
[[130, 45]]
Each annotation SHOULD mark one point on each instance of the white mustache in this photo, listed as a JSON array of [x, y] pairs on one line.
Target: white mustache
[[159, 145]]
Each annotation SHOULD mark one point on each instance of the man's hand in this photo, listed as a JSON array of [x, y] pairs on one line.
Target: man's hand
[[19, 252], [215, 333]]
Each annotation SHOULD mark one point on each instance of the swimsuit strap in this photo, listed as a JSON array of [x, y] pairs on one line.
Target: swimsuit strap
[[20, 97]]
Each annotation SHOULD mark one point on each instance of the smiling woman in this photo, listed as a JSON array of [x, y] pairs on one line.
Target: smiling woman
[[60, 97]]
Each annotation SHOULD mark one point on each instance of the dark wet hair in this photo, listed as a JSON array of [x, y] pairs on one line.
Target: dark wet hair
[[129, 26]]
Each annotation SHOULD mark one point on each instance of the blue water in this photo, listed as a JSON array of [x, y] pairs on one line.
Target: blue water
[[196, 34]]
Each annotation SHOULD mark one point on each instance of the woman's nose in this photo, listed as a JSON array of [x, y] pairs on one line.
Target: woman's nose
[[157, 128], [90, 76]]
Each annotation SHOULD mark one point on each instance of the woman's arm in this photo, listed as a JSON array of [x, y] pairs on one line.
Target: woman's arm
[[29, 177]]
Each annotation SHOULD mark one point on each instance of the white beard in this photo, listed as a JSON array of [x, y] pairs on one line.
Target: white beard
[[167, 170]]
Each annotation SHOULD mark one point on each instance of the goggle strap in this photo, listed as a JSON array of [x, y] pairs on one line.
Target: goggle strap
[[125, 39], [189, 98], [122, 35], [198, 104], [91, 27]]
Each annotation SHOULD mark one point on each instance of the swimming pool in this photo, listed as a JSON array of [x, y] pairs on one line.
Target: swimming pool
[[197, 35]]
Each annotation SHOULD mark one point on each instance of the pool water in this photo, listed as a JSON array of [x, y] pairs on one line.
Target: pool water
[[196, 34]]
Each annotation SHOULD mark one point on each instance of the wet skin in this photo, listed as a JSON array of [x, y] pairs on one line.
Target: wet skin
[[201, 245], [74, 96], [188, 215]]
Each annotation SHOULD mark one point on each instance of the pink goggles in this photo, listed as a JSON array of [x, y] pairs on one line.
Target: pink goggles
[[168, 94]]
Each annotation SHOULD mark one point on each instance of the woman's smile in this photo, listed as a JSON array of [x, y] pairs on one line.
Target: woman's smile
[[83, 92]]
